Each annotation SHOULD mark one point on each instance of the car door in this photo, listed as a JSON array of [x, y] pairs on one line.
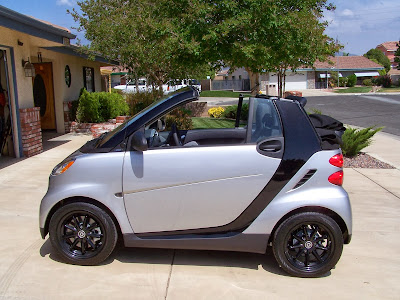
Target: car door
[[182, 188]]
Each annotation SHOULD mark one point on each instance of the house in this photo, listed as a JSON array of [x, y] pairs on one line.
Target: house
[[389, 48], [316, 77], [225, 79], [118, 74], [40, 72]]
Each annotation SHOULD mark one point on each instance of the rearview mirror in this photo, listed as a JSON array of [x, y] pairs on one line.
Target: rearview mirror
[[138, 141]]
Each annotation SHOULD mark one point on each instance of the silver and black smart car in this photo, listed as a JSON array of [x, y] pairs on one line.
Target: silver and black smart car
[[272, 178]]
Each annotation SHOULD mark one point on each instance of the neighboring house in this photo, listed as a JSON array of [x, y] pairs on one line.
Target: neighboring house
[[237, 80], [389, 48], [41, 72], [316, 77], [118, 75]]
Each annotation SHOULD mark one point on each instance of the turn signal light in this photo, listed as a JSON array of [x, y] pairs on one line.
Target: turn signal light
[[336, 178], [337, 160]]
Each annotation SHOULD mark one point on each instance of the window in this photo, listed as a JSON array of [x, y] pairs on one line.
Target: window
[[88, 79], [266, 122]]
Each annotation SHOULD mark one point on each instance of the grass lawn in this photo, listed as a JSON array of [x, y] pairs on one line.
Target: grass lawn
[[222, 94], [393, 89], [356, 89], [205, 123]]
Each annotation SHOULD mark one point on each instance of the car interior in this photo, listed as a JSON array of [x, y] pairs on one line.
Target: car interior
[[265, 124]]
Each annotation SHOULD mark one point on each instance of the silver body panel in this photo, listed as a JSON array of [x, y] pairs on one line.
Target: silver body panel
[[96, 176], [188, 188], [316, 192]]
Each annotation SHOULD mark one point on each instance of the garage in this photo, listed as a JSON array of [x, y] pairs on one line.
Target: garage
[[294, 80]]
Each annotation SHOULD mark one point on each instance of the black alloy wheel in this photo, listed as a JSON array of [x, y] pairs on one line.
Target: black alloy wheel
[[82, 233], [308, 244]]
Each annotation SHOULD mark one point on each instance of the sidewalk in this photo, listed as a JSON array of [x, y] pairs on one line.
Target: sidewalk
[[29, 269]]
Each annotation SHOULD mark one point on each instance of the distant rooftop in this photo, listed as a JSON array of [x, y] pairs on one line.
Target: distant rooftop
[[347, 63], [391, 46]]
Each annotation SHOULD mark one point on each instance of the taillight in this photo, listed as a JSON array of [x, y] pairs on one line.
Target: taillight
[[336, 178], [337, 160]]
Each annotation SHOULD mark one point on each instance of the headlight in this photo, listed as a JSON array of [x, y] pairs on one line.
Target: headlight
[[62, 167]]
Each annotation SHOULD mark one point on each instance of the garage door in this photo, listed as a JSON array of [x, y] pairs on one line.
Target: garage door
[[294, 81]]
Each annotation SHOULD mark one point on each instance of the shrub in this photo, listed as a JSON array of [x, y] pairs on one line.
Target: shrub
[[367, 82], [354, 140], [73, 110], [386, 81], [111, 105], [343, 81], [230, 112], [351, 80], [333, 80], [88, 108], [181, 117], [139, 101], [216, 112], [99, 107]]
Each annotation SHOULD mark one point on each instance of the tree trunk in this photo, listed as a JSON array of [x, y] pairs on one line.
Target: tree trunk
[[254, 81]]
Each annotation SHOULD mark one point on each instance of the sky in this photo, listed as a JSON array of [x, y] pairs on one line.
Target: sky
[[359, 25]]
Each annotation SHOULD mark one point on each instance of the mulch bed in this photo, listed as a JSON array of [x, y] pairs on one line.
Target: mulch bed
[[364, 160]]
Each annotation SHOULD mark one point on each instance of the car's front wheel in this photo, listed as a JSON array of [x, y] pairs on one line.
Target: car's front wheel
[[82, 233], [308, 244]]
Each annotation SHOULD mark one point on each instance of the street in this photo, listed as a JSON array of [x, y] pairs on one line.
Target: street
[[361, 110]]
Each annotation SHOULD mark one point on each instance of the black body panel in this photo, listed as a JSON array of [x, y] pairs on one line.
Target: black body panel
[[300, 143], [255, 243]]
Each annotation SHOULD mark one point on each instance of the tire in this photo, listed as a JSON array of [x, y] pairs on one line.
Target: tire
[[308, 244], [82, 233]]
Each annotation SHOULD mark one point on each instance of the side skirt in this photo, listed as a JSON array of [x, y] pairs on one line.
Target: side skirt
[[255, 243]]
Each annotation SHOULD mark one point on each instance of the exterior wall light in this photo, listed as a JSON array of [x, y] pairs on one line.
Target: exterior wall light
[[28, 68]]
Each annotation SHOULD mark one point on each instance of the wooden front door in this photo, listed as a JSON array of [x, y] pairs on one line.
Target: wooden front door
[[43, 94]]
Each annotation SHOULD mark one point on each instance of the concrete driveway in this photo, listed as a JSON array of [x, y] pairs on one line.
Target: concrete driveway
[[29, 269]]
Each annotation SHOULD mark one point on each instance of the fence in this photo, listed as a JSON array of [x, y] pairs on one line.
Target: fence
[[236, 85]]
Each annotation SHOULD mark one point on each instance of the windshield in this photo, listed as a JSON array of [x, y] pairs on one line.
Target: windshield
[[106, 137]]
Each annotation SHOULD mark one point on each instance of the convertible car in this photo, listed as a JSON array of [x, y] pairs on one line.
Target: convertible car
[[272, 180]]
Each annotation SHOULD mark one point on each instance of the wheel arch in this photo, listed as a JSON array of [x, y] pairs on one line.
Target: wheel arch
[[77, 199], [317, 209]]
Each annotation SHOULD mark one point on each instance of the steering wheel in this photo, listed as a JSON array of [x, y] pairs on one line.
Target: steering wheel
[[173, 137]]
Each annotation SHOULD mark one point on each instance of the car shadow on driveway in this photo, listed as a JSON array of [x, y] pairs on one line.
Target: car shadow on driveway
[[184, 257]]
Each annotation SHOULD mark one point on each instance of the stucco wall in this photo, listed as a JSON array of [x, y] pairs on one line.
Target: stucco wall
[[30, 48]]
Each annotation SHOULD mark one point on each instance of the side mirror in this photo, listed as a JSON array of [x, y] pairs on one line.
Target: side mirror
[[138, 141]]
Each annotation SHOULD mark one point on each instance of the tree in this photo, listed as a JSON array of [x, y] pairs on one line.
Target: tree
[[379, 57], [143, 41], [397, 55], [175, 38]]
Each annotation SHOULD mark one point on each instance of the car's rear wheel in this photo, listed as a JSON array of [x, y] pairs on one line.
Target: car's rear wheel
[[82, 233], [308, 244]]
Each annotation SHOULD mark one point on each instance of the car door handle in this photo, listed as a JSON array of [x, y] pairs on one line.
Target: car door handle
[[271, 146]]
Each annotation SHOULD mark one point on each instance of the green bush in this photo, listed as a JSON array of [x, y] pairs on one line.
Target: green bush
[[343, 81], [351, 80], [139, 101], [111, 105], [354, 140], [367, 82], [88, 108], [181, 117], [99, 107], [230, 112]]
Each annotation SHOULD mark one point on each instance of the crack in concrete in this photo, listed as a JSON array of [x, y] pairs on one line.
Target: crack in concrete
[[377, 183], [169, 276]]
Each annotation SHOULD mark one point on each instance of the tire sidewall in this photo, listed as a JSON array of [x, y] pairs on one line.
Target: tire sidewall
[[280, 243], [110, 233]]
